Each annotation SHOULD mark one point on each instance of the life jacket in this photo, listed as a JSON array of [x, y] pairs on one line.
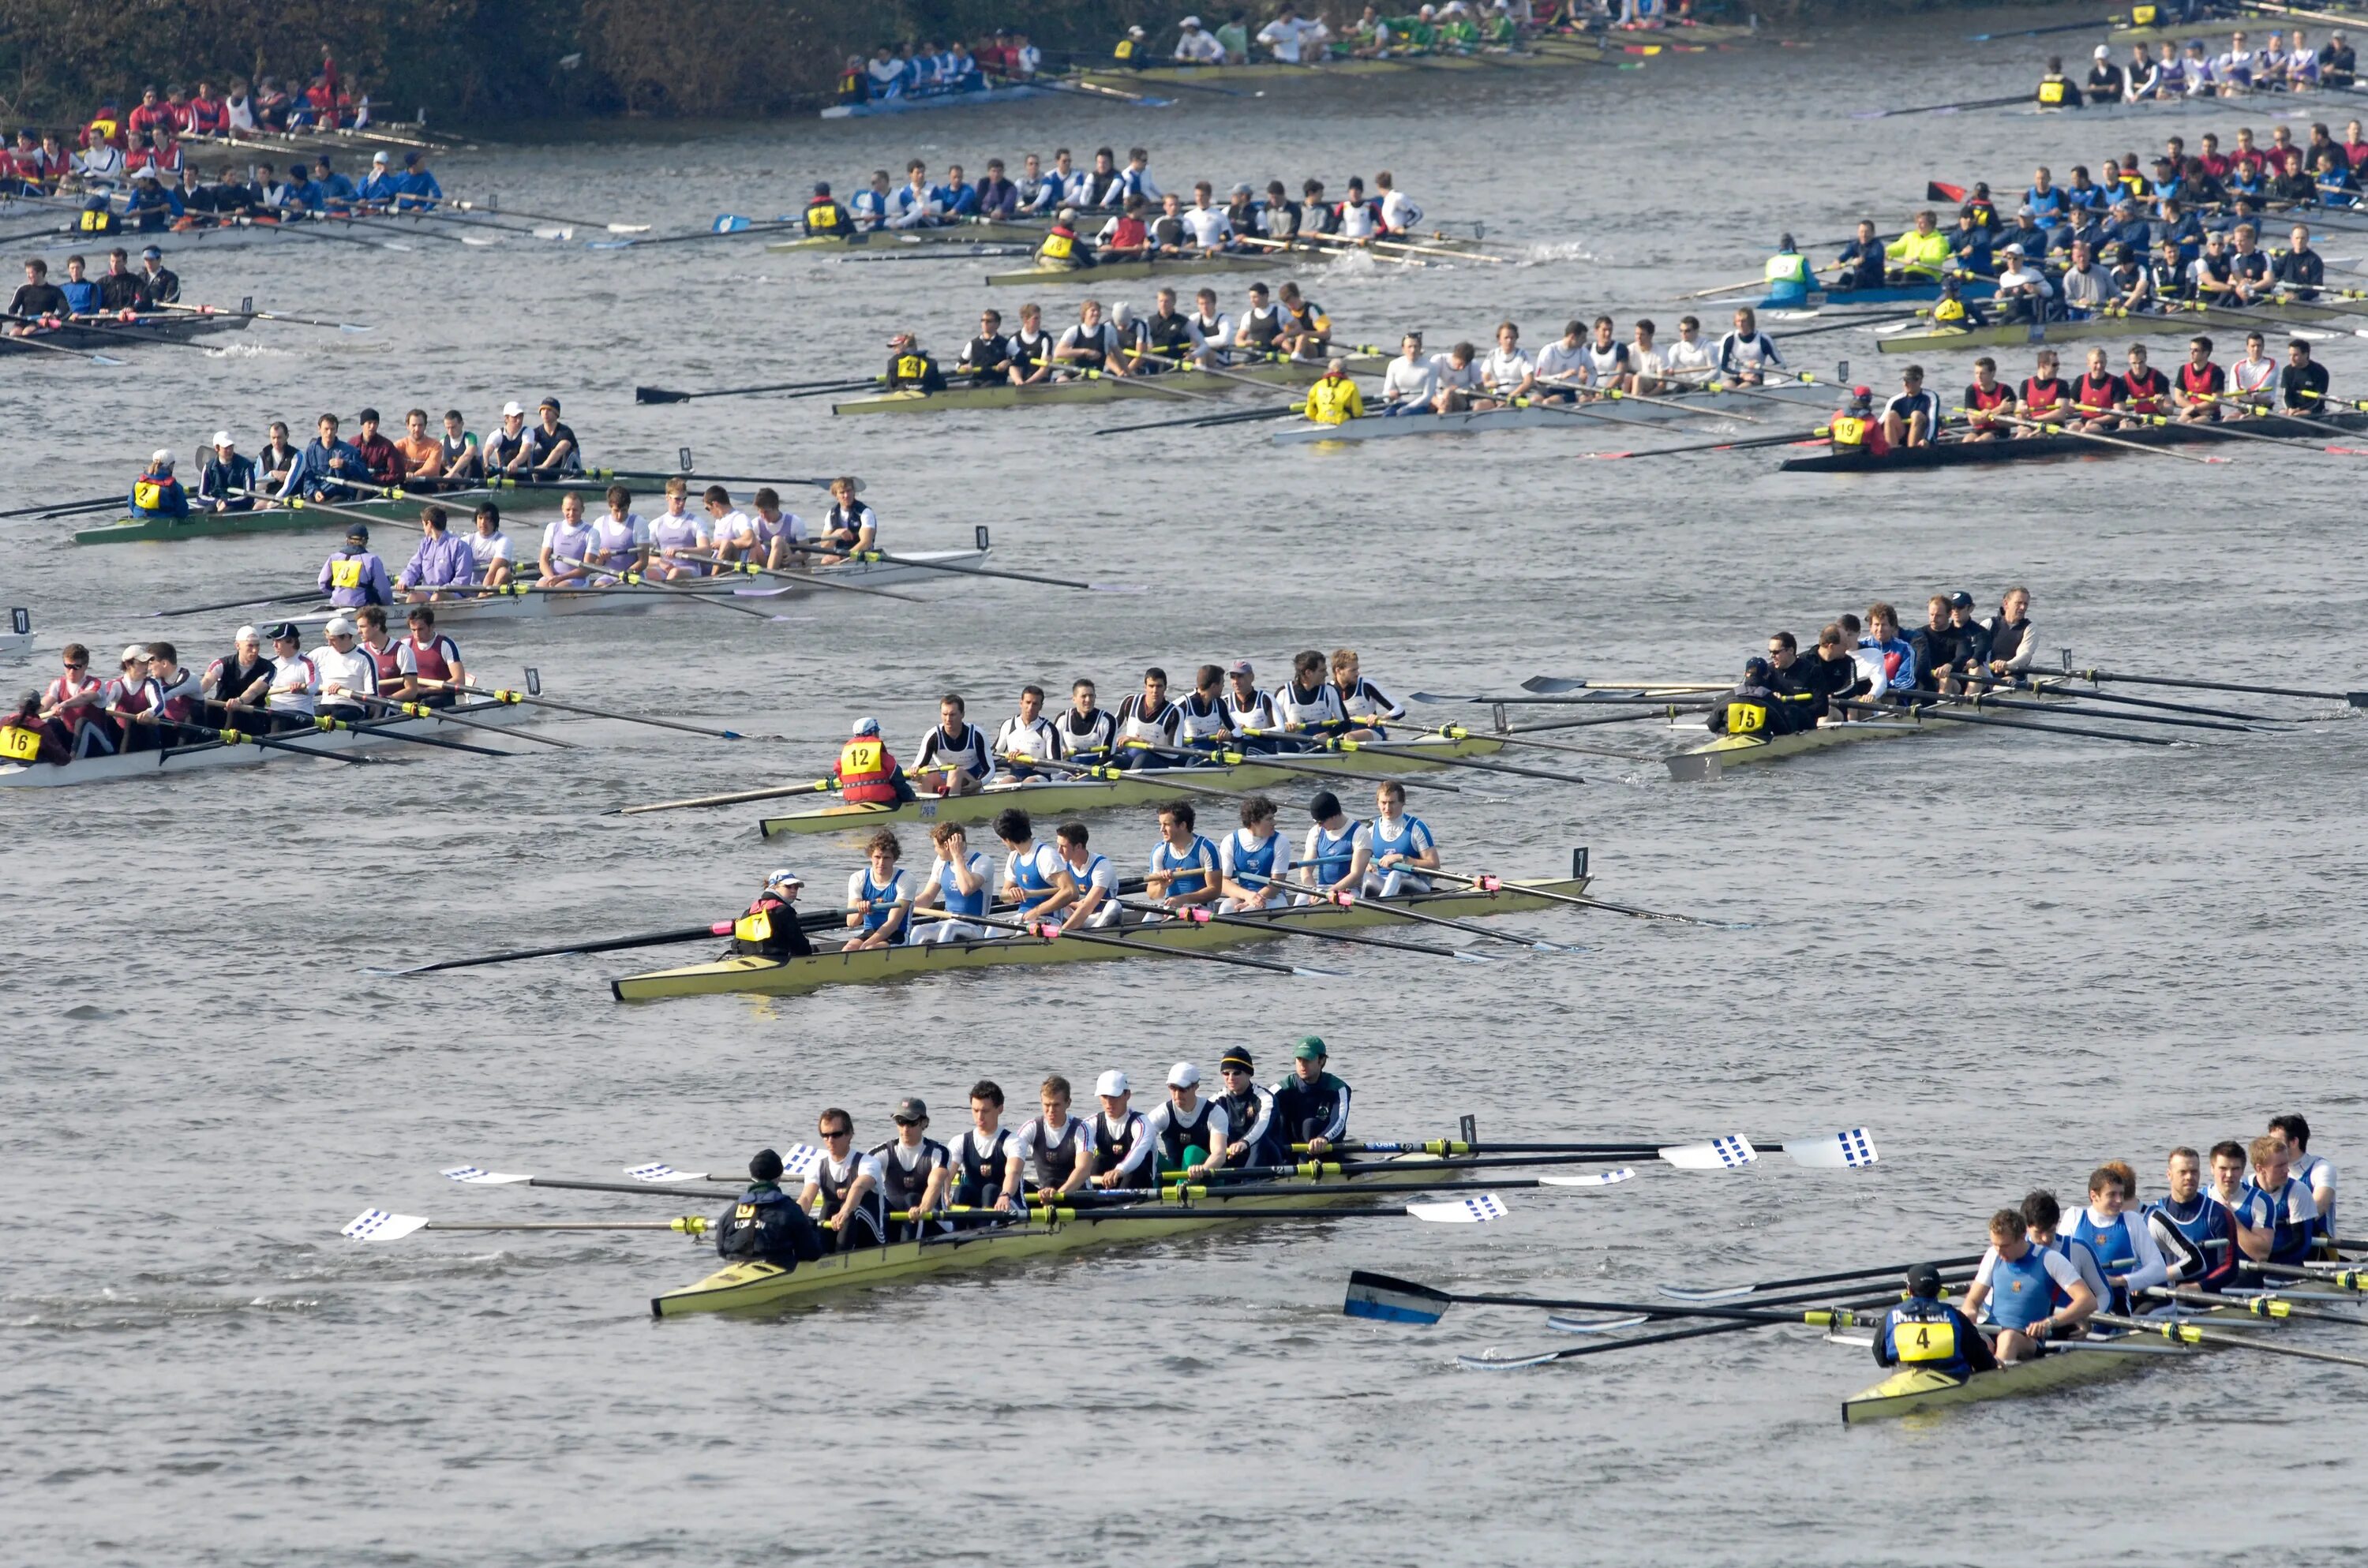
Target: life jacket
[[102, 129], [910, 368], [1948, 313], [1924, 1335], [345, 570], [1788, 266], [149, 492], [2095, 397], [753, 932], [767, 1226], [1060, 245], [1329, 399], [1746, 712], [99, 220], [1848, 432], [1132, 233], [2051, 91], [1125, 51], [852, 85], [822, 213], [866, 772], [18, 744]]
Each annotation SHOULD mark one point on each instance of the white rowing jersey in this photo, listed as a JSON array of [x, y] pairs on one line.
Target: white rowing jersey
[[1082, 732], [1414, 380], [1366, 701], [1606, 364], [1033, 738], [1209, 225], [1452, 377], [1139, 721], [1690, 357], [1356, 220], [1254, 712], [1505, 369], [1398, 212], [2253, 375], [1741, 354], [295, 684], [1647, 362], [965, 749], [1561, 365], [1303, 710], [347, 675], [1198, 718]]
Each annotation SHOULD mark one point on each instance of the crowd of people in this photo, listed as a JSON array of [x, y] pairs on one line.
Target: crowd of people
[[1857, 666], [42, 302], [2285, 62]]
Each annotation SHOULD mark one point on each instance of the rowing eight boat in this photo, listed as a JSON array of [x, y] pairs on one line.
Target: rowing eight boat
[[207, 755], [1889, 294], [111, 335], [2007, 334], [1004, 95], [1911, 1390], [2034, 449], [1141, 786], [1167, 266], [963, 233], [305, 518], [784, 977], [1710, 755], [1003, 394], [1628, 411]]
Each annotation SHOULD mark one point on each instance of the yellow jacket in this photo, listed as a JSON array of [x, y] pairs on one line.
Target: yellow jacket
[[1920, 254], [1335, 401]]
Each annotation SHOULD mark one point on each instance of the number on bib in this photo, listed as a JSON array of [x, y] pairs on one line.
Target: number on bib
[[21, 744], [1927, 1342], [345, 574], [757, 927], [1745, 718]]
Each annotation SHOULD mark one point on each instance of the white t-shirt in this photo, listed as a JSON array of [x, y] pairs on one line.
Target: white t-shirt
[[1562, 365], [353, 674], [1200, 45], [1507, 371], [1411, 381], [294, 685], [488, 549], [1682, 357], [1398, 211], [1291, 37], [1209, 225]]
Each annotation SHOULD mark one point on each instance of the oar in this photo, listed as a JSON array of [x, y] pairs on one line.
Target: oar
[[2265, 408], [1167, 780], [2336, 1278], [810, 579], [58, 509], [273, 316], [1458, 733], [1401, 911], [2354, 699], [1433, 756], [1324, 1170], [881, 556], [247, 737], [2101, 440], [515, 697], [1851, 1150], [2188, 1334], [738, 797], [666, 394], [380, 729], [2262, 1306], [1921, 710], [592, 476], [57, 347], [726, 226], [936, 253], [493, 209], [2088, 26], [1615, 395], [1247, 416], [1497, 884], [1201, 915], [1798, 437], [1983, 701], [599, 945], [1049, 931], [2060, 683], [1942, 108], [1151, 384], [445, 715], [635, 582], [378, 1225], [232, 604], [1874, 1271], [1289, 761], [1386, 1298], [1726, 289]]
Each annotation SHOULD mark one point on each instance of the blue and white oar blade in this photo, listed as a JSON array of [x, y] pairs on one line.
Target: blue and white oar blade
[[1476, 1209], [1597, 1325], [662, 1172], [1386, 1299], [728, 224], [800, 1159], [1591, 1180], [1844, 1151], [481, 1176], [1731, 1153], [378, 1225]]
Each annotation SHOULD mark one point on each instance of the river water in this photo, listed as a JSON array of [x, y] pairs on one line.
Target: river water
[[2009, 956]]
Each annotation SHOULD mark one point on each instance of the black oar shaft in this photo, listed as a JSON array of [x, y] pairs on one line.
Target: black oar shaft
[[598, 945]]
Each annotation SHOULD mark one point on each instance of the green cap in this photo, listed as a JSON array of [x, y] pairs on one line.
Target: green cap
[[1310, 1049]]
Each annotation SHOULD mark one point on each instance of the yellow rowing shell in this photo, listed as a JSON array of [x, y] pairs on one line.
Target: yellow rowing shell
[[1909, 1390], [1715, 754], [785, 977], [1149, 787], [744, 1285]]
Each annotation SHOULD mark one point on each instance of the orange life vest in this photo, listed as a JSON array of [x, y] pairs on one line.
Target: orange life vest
[[866, 772]]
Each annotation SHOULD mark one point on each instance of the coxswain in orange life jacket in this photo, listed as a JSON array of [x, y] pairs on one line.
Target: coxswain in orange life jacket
[[769, 927], [867, 774]]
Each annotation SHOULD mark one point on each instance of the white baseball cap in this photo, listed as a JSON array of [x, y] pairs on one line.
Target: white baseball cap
[[161, 457], [510, 408], [866, 727], [1112, 1084], [135, 652], [2103, 54], [1183, 1075], [378, 157], [246, 634], [222, 438], [784, 876], [1189, 22], [339, 627]]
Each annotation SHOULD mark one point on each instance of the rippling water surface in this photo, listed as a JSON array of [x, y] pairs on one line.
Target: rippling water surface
[[2009, 955]]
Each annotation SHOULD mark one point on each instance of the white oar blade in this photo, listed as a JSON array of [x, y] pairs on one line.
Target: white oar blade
[[800, 1159], [1477, 1209], [1846, 1151], [662, 1172], [1596, 1326], [1719, 1154], [479, 1176], [378, 1225], [1728, 1293], [1592, 1179], [1506, 1363]]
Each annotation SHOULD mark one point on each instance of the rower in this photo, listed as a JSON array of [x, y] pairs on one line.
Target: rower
[[1091, 345], [1336, 853], [985, 1164], [124, 699], [824, 217], [1026, 737], [2302, 271], [38, 300], [1123, 1145], [1035, 880], [2253, 378], [1184, 870], [1969, 642], [1788, 277], [1898, 659], [489, 548], [986, 358], [1146, 727], [2301, 385], [1690, 362], [915, 1170], [910, 367], [867, 773], [880, 896], [1307, 331], [2124, 1245], [228, 477], [680, 545], [1254, 862], [2044, 1215], [238, 680], [619, 541], [1925, 1334], [1191, 1130], [2022, 1284], [2096, 395], [321, 471], [1085, 729], [2275, 1214], [1508, 373], [767, 1225], [2022, 286], [2055, 89], [1248, 1105], [1922, 254], [1831, 677], [1609, 367], [2040, 402], [504, 449], [1031, 350], [295, 686], [1912, 416], [1860, 265], [1985, 397], [1309, 704], [348, 675], [1363, 704], [1097, 879], [1400, 846], [1747, 355], [464, 456], [440, 564], [1200, 717], [1935, 644], [2011, 643], [1311, 1107], [2198, 391], [2106, 80], [2316, 1172], [955, 757], [174, 696], [2192, 1229], [565, 544], [1211, 329], [1250, 716], [769, 927], [849, 527], [853, 1212], [551, 450], [960, 880], [73, 704], [1410, 384], [1562, 365], [1059, 1147], [2145, 391], [1855, 431], [430, 661], [1334, 398]]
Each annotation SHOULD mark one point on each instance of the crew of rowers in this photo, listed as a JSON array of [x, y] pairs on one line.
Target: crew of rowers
[[335, 467], [2263, 1210], [41, 302], [1859, 667], [357, 674], [2098, 401], [839, 1197], [1273, 326], [2285, 62]]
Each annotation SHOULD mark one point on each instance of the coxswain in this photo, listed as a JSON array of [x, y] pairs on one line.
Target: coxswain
[[157, 493], [2040, 402], [2301, 385], [235, 681], [1191, 1130], [1035, 881], [1985, 398], [911, 367], [960, 883], [1311, 1107], [853, 1212], [2275, 1215], [767, 1225], [430, 661], [867, 773], [1750, 708], [1400, 846], [849, 527], [1123, 1146], [2096, 395], [1336, 852], [880, 896], [1254, 862], [2192, 1229], [1925, 1334], [915, 1171], [1952, 312], [986, 358], [354, 575], [2316, 1172], [1747, 355], [348, 674], [1058, 1147], [1061, 250], [985, 1163], [1248, 1105], [2055, 89], [824, 217], [2023, 1285], [1334, 398], [2198, 392], [1980, 209], [1086, 731], [1148, 725], [769, 927], [295, 689], [954, 757], [1919, 256], [1912, 416], [1788, 277], [1184, 866], [1855, 431]]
